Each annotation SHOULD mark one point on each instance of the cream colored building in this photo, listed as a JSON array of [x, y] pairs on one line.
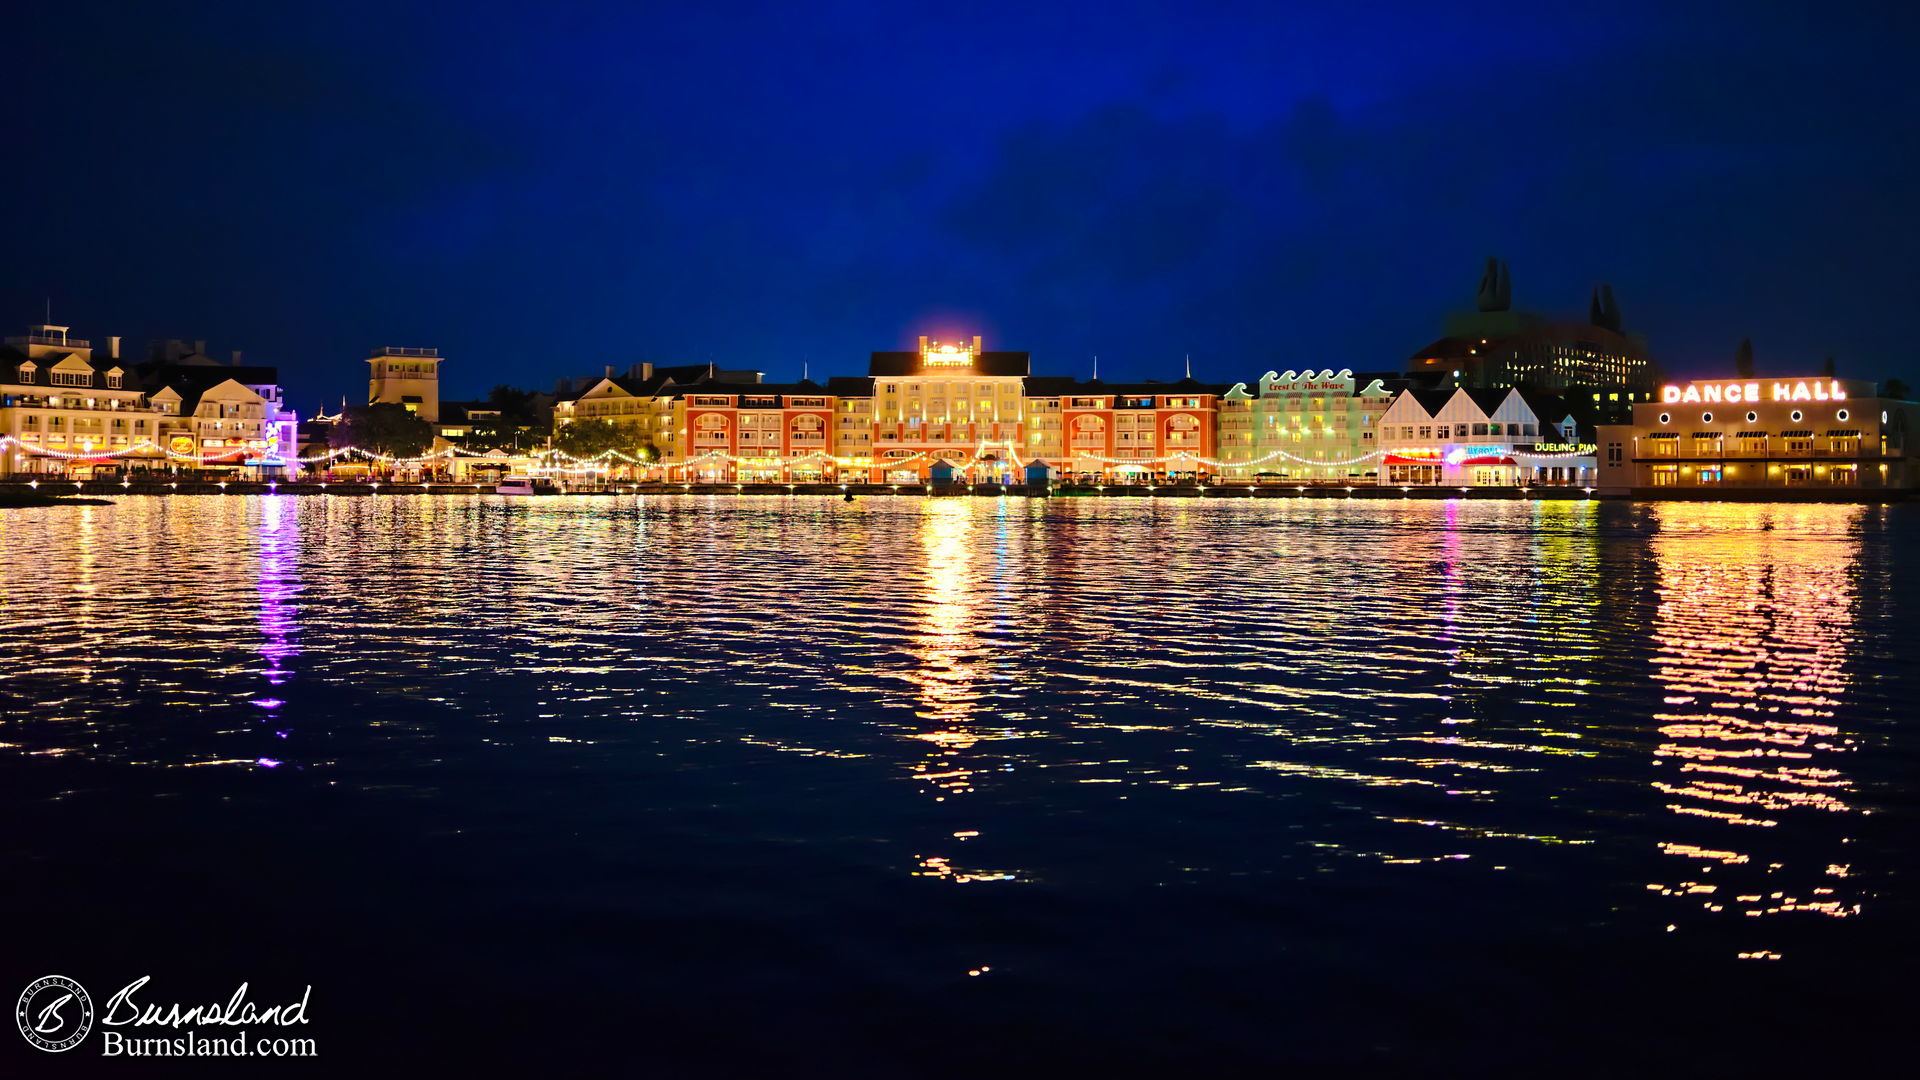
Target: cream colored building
[[59, 404], [941, 402]]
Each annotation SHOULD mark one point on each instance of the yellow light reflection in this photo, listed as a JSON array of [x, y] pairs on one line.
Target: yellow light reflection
[[947, 674], [1753, 630]]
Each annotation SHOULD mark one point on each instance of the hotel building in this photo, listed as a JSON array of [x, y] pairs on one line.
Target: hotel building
[[1495, 347], [947, 402], [1723, 434], [59, 403], [1303, 425], [71, 414], [980, 413]]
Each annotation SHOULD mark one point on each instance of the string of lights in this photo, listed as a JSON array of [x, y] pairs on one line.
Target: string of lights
[[600, 460]]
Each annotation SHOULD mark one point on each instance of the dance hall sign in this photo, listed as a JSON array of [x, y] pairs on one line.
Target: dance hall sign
[[1751, 392]]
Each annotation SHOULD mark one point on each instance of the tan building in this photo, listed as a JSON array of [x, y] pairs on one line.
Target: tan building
[[1797, 433], [409, 377]]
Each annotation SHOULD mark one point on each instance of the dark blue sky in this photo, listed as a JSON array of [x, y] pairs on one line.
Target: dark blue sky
[[543, 189]]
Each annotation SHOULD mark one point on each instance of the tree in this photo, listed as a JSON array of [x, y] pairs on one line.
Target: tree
[[384, 428], [1743, 359], [591, 438], [1896, 388], [513, 424]]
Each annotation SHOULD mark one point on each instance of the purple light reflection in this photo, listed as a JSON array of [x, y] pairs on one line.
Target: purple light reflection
[[278, 583]]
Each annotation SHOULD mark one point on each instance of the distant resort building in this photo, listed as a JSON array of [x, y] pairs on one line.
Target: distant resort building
[[1495, 346]]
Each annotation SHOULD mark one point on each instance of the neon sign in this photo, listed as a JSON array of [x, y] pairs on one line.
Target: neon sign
[[937, 355], [1748, 392]]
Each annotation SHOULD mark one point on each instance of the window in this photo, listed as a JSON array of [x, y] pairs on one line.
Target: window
[[1443, 432], [72, 378], [1426, 432], [113, 383], [1479, 429]]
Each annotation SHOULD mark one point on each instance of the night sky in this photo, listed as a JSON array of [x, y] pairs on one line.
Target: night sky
[[544, 189]]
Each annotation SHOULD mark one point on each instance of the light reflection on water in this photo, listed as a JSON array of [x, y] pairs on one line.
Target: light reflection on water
[[1425, 707], [1756, 631]]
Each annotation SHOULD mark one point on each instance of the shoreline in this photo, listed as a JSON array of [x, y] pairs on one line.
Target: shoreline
[[71, 492]]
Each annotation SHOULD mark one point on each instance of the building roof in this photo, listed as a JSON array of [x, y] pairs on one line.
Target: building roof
[[907, 362], [12, 359]]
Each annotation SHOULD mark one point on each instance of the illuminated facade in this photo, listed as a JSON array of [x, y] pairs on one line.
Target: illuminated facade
[[66, 413], [58, 404], [1721, 434], [1497, 347], [1304, 425], [754, 434], [409, 377], [941, 403], [1483, 438]]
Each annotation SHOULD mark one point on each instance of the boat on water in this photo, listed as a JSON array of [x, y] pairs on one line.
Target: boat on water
[[528, 485]]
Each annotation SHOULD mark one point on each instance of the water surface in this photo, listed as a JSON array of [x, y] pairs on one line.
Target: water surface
[[701, 783]]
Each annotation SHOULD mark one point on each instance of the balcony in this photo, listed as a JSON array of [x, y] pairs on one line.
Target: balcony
[[389, 350], [59, 342], [22, 401]]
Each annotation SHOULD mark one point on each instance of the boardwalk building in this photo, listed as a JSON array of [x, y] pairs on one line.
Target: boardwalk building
[[1797, 433]]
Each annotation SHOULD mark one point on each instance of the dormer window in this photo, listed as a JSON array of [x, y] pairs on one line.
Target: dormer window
[[72, 378], [113, 380], [26, 373]]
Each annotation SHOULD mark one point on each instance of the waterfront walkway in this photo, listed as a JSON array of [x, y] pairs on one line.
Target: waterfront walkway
[[20, 490]]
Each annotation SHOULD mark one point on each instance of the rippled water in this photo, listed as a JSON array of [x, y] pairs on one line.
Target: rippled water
[[953, 785]]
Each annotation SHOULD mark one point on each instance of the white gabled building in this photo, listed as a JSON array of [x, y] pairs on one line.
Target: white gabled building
[[1483, 438]]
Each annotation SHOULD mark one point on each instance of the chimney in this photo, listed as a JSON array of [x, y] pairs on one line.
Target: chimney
[[976, 344], [113, 347], [923, 343], [609, 371], [236, 358], [200, 346]]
